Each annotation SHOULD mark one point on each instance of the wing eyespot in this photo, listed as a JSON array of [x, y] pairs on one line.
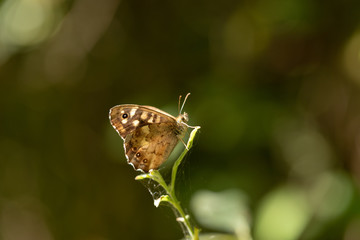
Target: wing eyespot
[[145, 161], [138, 154], [125, 115]]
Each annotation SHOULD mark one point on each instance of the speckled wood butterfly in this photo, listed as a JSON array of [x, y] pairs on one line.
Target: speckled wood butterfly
[[149, 134]]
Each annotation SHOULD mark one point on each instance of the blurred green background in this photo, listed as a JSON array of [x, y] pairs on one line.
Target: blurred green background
[[274, 85]]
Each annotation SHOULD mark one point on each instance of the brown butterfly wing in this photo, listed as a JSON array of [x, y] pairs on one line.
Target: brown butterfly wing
[[150, 134], [149, 146]]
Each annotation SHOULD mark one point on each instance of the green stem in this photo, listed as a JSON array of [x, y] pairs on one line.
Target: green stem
[[174, 170], [170, 189], [179, 160], [183, 217]]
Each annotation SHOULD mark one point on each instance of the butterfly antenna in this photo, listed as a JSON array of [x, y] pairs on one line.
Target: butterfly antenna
[[179, 104], [184, 102]]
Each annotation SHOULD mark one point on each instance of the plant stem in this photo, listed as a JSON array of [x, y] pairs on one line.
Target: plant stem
[[170, 189], [183, 217], [179, 160]]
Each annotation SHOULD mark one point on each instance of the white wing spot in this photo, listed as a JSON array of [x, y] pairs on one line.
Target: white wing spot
[[151, 119], [132, 112], [136, 123], [143, 116], [124, 121]]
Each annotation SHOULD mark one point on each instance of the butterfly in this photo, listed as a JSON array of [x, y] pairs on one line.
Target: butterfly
[[149, 134]]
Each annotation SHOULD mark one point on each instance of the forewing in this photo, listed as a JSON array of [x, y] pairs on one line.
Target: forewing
[[126, 118]]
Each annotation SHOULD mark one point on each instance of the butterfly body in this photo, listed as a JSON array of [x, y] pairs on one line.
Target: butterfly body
[[149, 134]]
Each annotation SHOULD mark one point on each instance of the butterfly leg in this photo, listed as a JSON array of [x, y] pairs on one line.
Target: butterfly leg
[[183, 143], [193, 127]]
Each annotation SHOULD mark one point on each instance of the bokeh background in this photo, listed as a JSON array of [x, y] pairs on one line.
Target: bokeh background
[[274, 85]]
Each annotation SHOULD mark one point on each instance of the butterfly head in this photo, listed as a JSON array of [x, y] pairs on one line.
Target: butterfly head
[[182, 118]]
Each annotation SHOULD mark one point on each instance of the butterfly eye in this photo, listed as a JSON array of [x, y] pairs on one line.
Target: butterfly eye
[[125, 115]]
